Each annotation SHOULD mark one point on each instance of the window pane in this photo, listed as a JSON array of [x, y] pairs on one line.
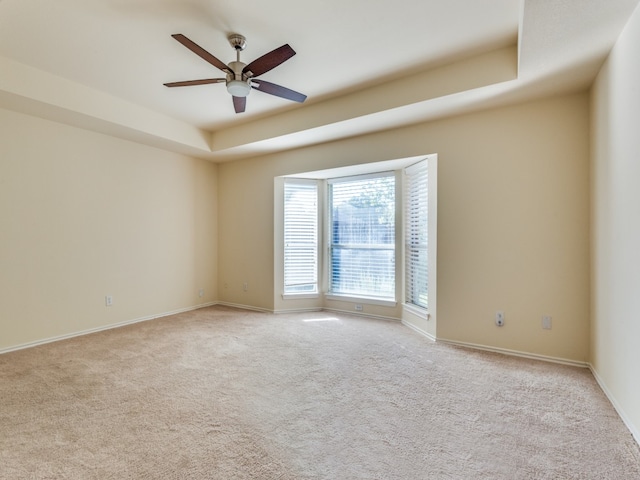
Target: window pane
[[300, 237], [362, 246]]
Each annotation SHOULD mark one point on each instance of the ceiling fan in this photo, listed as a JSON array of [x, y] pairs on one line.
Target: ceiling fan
[[241, 77]]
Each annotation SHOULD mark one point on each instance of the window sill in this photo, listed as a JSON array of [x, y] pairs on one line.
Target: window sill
[[364, 300], [299, 296]]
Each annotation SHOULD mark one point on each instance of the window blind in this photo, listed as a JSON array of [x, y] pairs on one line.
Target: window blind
[[416, 232], [362, 238], [300, 236]]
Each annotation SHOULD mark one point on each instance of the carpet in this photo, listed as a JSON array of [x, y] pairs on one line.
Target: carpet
[[221, 393]]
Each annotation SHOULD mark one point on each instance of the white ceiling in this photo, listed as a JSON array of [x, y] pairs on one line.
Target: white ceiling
[[365, 66]]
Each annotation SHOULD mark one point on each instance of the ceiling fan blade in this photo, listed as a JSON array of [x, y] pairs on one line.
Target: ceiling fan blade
[[239, 103], [201, 52], [277, 90], [188, 83], [269, 61]]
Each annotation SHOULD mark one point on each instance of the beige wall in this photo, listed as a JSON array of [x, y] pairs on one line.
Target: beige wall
[[84, 215], [513, 227], [615, 340], [513, 221]]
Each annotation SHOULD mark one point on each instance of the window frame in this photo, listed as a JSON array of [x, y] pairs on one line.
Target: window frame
[[416, 203], [364, 297], [317, 267]]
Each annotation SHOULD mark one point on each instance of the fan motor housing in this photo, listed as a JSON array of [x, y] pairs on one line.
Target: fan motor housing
[[237, 67]]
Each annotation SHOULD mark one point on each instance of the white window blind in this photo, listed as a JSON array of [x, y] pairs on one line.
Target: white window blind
[[416, 232], [362, 238], [300, 236]]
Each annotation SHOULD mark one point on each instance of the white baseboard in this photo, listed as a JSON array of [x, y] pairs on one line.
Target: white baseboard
[[419, 330], [102, 328], [517, 353], [635, 433], [245, 307], [299, 310]]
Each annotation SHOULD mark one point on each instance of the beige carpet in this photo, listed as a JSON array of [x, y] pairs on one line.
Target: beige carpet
[[226, 394]]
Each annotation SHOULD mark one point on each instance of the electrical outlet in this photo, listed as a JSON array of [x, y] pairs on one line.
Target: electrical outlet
[[546, 322], [245, 286], [500, 319], [108, 300], [201, 292]]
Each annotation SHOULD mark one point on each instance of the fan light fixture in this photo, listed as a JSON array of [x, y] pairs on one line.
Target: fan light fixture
[[238, 88]]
